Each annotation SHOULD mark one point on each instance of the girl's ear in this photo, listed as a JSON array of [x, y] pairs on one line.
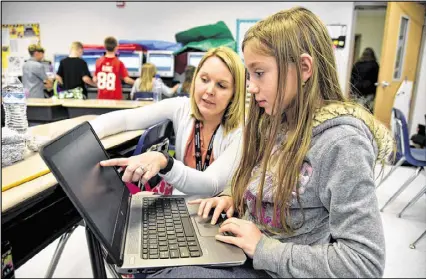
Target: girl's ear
[[306, 64]]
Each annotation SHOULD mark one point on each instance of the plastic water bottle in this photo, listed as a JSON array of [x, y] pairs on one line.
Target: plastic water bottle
[[15, 105], [157, 88]]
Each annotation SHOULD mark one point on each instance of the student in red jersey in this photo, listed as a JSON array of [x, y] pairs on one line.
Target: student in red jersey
[[109, 72]]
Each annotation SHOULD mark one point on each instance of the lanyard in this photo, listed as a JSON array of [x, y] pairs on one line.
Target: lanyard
[[197, 141]]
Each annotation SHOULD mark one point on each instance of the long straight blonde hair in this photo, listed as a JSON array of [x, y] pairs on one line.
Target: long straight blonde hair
[[148, 72], [286, 35]]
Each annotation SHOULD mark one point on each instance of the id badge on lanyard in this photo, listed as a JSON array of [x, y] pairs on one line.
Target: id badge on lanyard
[[197, 140]]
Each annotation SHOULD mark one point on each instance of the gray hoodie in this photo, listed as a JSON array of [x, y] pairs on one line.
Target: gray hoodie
[[342, 235]]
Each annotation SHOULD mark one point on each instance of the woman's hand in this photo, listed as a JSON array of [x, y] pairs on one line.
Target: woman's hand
[[140, 167], [220, 204], [246, 235]]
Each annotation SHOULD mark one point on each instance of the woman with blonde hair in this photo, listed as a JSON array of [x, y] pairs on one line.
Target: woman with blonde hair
[[214, 114], [146, 82], [304, 190]]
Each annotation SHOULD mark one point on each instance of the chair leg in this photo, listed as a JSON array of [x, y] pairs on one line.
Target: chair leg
[[402, 188], [398, 164], [413, 201], [413, 245], [58, 252]]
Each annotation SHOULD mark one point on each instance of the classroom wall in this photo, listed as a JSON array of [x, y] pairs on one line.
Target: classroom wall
[[370, 24], [64, 22]]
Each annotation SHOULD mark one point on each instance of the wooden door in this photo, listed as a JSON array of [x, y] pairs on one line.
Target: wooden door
[[400, 53]]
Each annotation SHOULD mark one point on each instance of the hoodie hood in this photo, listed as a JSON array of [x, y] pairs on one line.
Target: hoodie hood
[[337, 114]]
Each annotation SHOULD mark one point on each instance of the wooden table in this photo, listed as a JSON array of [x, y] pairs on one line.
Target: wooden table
[[92, 92], [33, 165], [37, 212], [41, 110], [82, 107]]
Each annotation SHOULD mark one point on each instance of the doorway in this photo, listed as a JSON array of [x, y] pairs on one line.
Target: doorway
[[369, 28], [394, 31]]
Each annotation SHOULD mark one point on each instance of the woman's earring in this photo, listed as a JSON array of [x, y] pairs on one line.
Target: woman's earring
[[303, 83]]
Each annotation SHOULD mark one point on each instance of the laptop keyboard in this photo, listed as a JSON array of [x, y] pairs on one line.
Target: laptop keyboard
[[167, 230]]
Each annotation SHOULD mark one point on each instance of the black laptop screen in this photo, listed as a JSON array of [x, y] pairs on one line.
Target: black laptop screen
[[98, 190]]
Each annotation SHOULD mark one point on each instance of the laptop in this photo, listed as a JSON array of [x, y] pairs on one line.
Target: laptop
[[138, 233]]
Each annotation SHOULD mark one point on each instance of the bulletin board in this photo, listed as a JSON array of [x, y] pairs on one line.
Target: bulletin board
[[15, 39], [243, 25], [338, 34]]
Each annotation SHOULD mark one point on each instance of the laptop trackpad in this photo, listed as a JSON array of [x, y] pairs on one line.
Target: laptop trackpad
[[204, 227]]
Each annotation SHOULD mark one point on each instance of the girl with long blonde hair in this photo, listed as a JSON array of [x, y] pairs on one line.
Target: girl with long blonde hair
[[303, 194], [145, 82]]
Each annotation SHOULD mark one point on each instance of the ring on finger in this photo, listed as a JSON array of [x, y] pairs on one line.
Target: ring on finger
[[142, 169], [147, 168]]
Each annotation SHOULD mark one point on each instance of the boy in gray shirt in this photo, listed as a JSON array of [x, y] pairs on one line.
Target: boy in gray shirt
[[34, 77]]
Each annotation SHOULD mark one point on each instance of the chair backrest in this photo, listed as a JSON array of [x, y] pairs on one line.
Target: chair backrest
[[143, 96], [399, 139], [403, 137], [182, 95], [154, 135]]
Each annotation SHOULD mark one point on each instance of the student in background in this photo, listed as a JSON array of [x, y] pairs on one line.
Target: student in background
[[73, 71], [364, 75], [189, 75], [109, 73], [145, 82], [304, 190], [214, 113], [34, 77]]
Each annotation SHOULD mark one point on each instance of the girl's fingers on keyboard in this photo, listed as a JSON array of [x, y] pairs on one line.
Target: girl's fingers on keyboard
[[197, 201]]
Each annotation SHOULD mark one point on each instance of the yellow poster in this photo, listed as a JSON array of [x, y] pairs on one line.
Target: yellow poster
[[15, 40]]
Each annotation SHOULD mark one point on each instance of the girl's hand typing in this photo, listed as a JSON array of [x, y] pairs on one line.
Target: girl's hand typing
[[246, 235], [221, 204]]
